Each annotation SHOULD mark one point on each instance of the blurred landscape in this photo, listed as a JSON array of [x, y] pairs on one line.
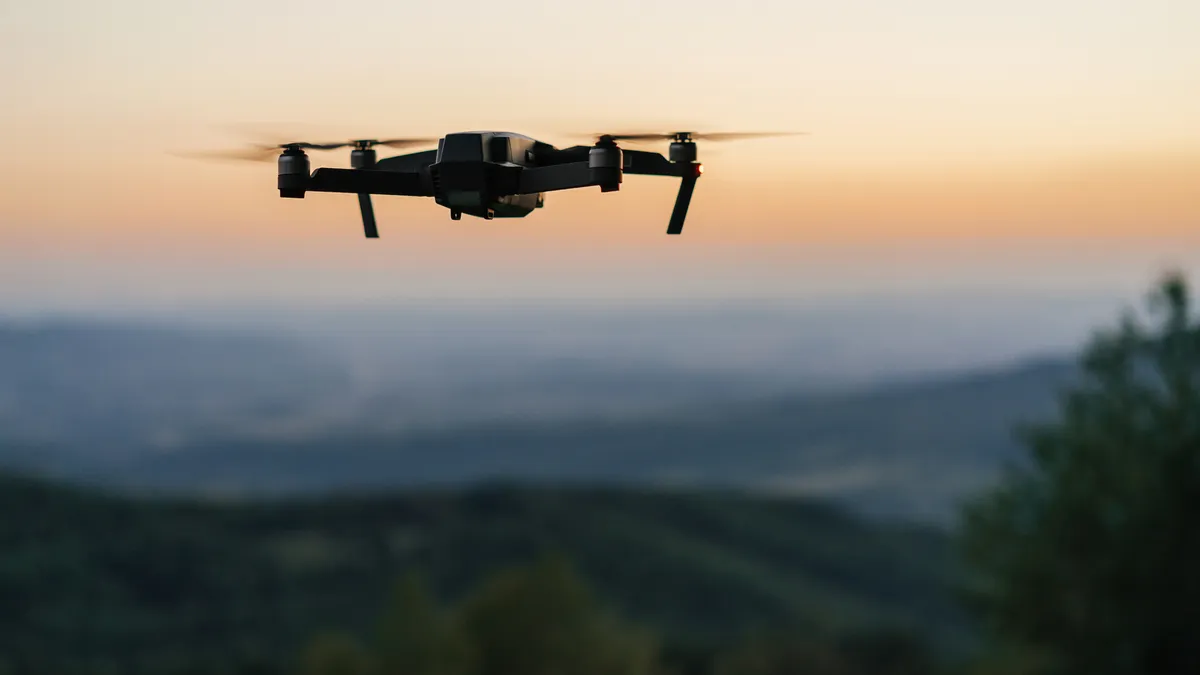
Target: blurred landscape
[[746, 487], [216, 489], [893, 408]]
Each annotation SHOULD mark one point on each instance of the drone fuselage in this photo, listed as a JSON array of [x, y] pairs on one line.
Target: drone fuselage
[[471, 173]]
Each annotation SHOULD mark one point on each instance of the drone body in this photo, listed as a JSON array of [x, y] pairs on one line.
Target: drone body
[[488, 174]]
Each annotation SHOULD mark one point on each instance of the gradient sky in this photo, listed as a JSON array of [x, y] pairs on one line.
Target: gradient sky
[[1021, 144]]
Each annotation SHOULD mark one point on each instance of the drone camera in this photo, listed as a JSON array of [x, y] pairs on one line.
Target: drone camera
[[293, 173]]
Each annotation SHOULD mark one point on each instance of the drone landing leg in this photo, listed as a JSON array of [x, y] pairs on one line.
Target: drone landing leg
[[368, 216], [686, 186]]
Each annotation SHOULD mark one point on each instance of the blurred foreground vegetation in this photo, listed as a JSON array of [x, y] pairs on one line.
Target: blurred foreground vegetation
[[94, 583], [1086, 558], [541, 619]]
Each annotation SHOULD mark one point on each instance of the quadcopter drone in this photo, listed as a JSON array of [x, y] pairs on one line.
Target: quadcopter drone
[[489, 174]]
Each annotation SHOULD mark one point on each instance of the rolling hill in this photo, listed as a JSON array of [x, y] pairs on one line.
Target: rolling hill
[[98, 578], [907, 451], [162, 410]]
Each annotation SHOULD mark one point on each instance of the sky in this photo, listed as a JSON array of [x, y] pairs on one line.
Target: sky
[[1023, 145]]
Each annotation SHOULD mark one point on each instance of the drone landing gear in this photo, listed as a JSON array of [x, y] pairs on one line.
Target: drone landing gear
[[683, 199], [368, 216]]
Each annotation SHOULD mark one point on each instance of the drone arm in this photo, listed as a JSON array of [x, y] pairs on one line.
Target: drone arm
[[577, 174], [640, 163], [412, 162], [369, 182], [654, 164], [364, 183], [554, 177]]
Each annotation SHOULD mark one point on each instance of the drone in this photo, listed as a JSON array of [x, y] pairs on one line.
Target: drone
[[489, 174]]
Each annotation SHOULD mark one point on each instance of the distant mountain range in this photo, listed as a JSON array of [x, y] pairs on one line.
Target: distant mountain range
[[160, 409]]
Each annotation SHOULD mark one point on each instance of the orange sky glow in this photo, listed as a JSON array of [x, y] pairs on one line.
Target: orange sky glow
[[930, 121]]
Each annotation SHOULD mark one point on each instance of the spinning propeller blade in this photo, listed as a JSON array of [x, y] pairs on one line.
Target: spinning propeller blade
[[691, 135], [262, 152]]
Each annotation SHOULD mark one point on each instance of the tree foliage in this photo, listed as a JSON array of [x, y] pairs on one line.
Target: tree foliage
[[335, 654], [870, 652], [538, 619], [543, 620], [417, 637], [93, 582], [1085, 558]]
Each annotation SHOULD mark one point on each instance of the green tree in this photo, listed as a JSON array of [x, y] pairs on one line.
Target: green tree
[[871, 652], [335, 654], [417, 638], [1086, 558], [783, 655], [543, 620]]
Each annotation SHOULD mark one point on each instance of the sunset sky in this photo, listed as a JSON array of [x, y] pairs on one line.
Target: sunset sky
[[1022, 144]]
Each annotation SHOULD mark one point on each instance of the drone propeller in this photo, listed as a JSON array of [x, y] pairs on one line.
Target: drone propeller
[[392, 142], [260, 152], [692, 135]]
